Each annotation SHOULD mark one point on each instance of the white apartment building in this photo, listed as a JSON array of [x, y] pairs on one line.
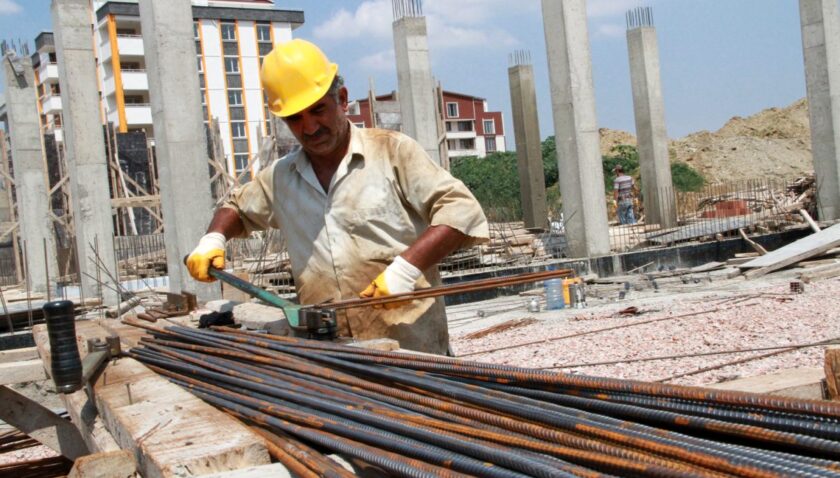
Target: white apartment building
[[231, 37]]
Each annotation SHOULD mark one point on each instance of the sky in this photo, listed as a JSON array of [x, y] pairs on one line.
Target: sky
[[720, 58]]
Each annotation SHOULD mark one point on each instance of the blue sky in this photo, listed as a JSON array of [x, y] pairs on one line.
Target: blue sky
[[720, 58]]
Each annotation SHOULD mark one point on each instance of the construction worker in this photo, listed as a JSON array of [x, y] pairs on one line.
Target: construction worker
[[365, 212], [624, 190]]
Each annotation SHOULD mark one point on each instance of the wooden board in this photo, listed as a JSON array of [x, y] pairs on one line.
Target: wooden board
[[805, 248], [170, 432], [113, 464], [803, 382], [23, 371], [16, 355]]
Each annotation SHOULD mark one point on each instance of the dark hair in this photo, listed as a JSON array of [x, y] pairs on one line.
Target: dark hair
[[336, 85], [618, 168]]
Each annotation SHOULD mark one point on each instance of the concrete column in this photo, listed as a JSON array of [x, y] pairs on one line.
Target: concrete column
[[821, 46], [526, 128], [31, 184], [576, 127], [84, 142], [179, 135], [652, 134], [414, 75]]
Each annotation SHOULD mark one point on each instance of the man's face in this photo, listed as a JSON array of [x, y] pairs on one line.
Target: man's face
[[321, 128]]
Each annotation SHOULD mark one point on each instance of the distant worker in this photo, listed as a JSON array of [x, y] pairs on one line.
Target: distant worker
[[624, 190], [364, 212]]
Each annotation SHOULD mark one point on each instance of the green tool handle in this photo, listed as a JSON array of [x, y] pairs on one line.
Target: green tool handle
[[248, 288]]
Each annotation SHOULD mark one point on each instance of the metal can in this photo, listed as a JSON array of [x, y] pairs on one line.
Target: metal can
[[534, 305]]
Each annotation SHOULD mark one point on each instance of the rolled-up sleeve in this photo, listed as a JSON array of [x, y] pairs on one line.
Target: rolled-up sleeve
[[252, 202], [436, 195]]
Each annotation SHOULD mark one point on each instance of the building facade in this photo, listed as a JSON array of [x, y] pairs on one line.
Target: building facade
[[471, 130], [231, 38]]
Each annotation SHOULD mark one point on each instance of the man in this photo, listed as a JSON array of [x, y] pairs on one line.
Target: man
[[365, 212], [623, 192]]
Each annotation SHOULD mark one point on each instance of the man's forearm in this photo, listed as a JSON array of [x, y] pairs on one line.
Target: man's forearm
[[433, 245], [226, 221]]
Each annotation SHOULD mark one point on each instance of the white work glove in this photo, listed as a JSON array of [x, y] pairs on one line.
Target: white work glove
[[399, 277], [209, 252]]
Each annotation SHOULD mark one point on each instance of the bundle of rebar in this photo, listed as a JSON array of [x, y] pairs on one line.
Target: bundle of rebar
[[419, 415]]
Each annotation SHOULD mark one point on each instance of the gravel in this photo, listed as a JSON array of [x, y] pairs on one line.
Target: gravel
[[749, 314]]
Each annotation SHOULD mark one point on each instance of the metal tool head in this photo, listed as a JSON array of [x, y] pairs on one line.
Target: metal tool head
[[319, 324]]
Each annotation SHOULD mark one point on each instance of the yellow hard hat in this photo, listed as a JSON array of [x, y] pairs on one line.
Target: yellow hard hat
[[295, 75]]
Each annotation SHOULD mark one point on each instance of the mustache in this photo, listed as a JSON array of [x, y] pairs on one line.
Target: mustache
[[317, 134]]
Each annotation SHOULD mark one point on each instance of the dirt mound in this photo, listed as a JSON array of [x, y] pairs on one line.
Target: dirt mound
[[775, 143]]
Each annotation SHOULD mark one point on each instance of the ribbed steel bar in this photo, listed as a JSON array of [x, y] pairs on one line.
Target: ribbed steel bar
[[526, 422], [472, 286], [569, 439], [653, 442]]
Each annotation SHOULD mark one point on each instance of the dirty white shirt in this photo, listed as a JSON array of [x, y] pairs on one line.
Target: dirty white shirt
[[384, 194]]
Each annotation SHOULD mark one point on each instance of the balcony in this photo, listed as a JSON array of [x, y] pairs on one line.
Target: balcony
[[48, 73], [460, 134], [457, 153], [51, 104], [128, 45], [135, 80], [138, 114]]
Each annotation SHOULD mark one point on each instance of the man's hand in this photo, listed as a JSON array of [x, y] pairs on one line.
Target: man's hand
[[397, 278], [209, 252]]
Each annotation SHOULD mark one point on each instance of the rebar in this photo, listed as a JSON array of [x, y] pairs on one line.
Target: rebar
[[422, 415]]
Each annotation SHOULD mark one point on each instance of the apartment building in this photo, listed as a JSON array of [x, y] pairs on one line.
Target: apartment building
[[231, 38], [471, 130]]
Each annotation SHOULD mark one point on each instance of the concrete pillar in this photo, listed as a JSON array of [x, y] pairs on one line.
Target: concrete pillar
[[821, 46], [179, 135], [576, 127], [526, 128], [84, 143], [652, 134], [414, 75], [31, 184]]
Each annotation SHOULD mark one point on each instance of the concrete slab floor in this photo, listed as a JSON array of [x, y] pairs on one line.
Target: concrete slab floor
[[721, 315]]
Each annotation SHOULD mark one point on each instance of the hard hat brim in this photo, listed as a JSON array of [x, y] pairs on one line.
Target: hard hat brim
[[302, 102]]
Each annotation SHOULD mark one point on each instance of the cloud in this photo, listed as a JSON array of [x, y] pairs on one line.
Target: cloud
[[448, 26], [605, 8], [371, 18], [610, 30], [9, 7], [381, 61]]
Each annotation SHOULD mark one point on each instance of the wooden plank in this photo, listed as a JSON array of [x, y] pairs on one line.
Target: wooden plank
[[814, 226], [803, 382], [82, 411], [40, 423], [832, 373], [16, 355], [24, 371], [113, 464], [275, 470], [756, 246], [805, 248], [819, 273], [170, 432]]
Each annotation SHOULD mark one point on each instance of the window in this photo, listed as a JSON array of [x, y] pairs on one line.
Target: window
[[53, 58], [134, 100], [452, 110], [452, 145], [489, 127], [237, 129], [232, 65], [126, 32], [130, 66], [195, 31], [200, 64], [264, 33], [466, 143], [228, 32], [465, 126], [490, 144], [359, 125], [234, 98]]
